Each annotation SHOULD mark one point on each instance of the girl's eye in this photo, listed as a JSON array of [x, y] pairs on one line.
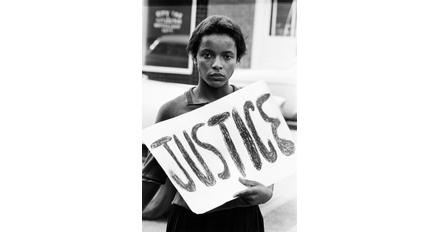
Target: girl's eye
[[207, 55], [227, 57]]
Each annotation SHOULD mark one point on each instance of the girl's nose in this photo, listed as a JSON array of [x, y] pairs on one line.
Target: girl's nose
[[217, 63]]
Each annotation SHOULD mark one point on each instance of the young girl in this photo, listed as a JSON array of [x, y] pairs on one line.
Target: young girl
[[216, 46]]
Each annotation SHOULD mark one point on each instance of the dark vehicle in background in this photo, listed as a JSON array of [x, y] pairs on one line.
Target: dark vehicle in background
[[168, 51]]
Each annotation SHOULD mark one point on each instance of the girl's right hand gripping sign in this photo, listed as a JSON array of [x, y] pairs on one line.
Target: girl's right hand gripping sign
[[205, 151]]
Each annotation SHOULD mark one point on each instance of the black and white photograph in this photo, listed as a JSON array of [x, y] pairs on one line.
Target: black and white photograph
[[219, 115], [211, 93]]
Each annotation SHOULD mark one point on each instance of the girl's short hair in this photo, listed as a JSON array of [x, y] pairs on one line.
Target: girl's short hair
[[217, 24]]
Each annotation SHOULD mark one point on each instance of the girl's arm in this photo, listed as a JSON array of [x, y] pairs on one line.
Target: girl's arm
[[153, 177], [149, 189]]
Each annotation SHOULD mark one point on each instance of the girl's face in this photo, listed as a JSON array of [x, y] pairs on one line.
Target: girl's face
[[216, 59]]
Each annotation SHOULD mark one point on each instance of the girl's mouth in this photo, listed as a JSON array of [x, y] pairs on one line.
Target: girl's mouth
[[218, 76]]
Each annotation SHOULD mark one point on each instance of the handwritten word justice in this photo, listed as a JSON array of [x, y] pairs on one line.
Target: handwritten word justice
[[251, 143]]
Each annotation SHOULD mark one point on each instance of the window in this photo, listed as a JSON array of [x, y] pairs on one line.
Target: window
[[167, 26], [168, 51], [283, 18]]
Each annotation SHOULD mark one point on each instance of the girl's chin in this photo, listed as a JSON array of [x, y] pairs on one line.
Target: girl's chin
[[216, 83]]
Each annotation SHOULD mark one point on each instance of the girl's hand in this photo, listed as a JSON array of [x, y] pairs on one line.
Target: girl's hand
[[256, 193]]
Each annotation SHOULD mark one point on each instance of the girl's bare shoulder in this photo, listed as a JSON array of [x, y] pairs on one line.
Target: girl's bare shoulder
[[172, 108]]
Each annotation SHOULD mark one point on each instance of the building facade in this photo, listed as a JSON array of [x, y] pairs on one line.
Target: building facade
[[269, 27]]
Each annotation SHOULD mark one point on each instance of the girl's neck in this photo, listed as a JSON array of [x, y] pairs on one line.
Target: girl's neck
[[204, 91]]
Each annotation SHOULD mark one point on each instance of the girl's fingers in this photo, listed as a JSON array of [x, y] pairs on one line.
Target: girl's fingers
[[247, 182]]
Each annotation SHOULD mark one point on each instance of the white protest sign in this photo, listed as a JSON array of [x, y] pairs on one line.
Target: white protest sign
[[205, 151]]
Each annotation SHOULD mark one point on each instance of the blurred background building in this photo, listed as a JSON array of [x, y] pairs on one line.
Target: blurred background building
[[269, 27]]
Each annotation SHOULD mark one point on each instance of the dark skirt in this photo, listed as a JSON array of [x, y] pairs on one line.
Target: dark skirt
[[240, 219]]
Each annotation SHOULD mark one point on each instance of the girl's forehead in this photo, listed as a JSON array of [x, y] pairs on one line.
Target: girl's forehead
[[217, 42]]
